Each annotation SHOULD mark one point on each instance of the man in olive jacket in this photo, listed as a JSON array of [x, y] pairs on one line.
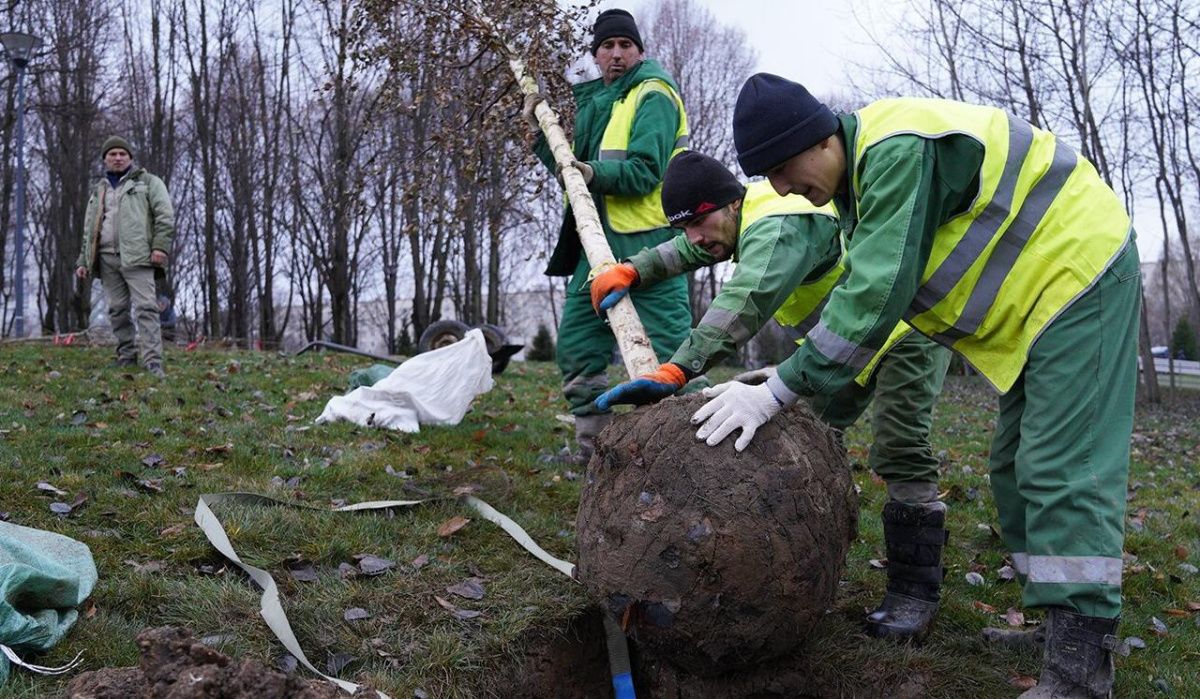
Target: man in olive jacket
[[127, 234]]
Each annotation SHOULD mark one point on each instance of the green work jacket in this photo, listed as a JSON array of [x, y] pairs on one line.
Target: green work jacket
[[145, 220], [969, 223], [654, 134]]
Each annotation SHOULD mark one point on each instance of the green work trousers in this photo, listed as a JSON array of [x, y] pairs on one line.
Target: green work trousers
[[905, 387], [129, 292], [1060, 455], [586, 342]]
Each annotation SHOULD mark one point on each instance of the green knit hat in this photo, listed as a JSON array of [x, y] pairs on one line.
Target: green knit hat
[[115, 142]]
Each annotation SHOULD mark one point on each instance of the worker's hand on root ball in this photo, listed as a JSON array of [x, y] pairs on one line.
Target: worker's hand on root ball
[[611, 285], [647, 388], [735, 406]]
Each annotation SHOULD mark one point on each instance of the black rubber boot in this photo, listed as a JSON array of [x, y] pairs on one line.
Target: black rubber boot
[[1078, 662], [1032, 640], [915, 536]]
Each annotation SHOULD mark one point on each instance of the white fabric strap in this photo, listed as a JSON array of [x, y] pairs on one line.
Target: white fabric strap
[[40, 669]]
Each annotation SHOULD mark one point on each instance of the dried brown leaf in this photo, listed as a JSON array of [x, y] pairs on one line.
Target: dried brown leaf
[[452, 525]]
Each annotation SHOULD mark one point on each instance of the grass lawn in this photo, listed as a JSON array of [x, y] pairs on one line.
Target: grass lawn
[[141, 451]]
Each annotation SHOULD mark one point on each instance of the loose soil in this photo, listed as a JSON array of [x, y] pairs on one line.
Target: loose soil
[[174, 665], [715, 560]]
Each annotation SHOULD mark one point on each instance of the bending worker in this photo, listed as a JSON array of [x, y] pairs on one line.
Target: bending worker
[[999, 241], [789, 257], [628, 124]]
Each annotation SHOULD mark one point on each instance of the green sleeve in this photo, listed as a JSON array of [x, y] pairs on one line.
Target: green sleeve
[[163, 215], [906, 194], [776, 254], [669, 259], [650, 144]]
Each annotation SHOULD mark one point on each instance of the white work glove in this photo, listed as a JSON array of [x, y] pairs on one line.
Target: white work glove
[[735, 405], [756, 376]]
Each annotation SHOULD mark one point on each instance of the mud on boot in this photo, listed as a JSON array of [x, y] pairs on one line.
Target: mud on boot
[[1032, 640], [1078, 662], [915, 536]]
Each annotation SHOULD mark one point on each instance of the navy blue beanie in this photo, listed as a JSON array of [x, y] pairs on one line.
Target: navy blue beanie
[[612, 23], [775, 119], [696, 184]]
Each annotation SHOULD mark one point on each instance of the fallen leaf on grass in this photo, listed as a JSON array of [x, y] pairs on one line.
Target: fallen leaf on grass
[[47, 488], [1022, 682], [1177, 612], [373, 565], [147, 568], [153, 461], [219, 449], [1181, 552], [463, 614], [1193, 606], [346, 571], [1014, 617], [172, 530], [452, 525], [1135, 642], [303, 573], [356, 614], [211, 467], [469, 489], [878, 563], [305, 396], [1157, 627], [61, 509], [1006, 573], [338, 661], [420, 561], [974, 579], [471, 588], [984, 607], [78, 418]]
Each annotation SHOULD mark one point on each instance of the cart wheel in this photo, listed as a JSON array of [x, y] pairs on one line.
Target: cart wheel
[[493, 336], [441, 333]]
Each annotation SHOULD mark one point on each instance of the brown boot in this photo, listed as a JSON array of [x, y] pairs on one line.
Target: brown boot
[[1078, 662]]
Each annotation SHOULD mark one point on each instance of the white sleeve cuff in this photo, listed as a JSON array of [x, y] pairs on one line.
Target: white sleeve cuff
[[779, 389]]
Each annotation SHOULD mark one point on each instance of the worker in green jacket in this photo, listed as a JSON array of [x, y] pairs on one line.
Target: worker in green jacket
[[788, 255], [128, 229], [999, 241], [628, 124]]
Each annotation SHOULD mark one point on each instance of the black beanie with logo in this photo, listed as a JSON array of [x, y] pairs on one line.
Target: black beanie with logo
[[696, 184]]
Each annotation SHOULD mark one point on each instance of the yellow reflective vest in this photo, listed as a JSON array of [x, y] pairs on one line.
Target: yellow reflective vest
[[1042, 229], [634, 214], [802, 308]]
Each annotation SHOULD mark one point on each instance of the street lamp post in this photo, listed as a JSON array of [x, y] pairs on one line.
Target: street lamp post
[[19, 48]]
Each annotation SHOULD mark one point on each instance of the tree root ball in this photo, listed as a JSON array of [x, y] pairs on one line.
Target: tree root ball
[[714, 560]]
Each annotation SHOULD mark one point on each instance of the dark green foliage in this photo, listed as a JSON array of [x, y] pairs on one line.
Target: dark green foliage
[[542, 349], [1183, 341]]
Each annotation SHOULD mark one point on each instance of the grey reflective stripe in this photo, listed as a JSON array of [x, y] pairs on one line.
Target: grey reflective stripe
[[1013, 241], [982, 229], [728, 323], [669, 254], [612, 155], [1085, 570], [838, 348], [1021, 563], [682, 142]]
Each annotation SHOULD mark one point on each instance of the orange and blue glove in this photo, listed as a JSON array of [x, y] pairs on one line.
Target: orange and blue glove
[[647, 388], [611, 285]]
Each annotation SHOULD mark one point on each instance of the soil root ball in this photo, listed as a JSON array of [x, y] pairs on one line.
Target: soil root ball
[[715, 560], [174, 665]]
